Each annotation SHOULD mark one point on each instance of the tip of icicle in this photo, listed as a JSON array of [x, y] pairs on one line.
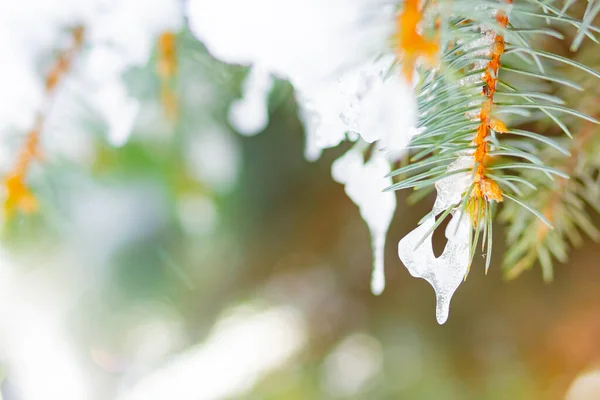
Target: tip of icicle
[[377, 287], [441, 319], [378, 276], [442, 311]]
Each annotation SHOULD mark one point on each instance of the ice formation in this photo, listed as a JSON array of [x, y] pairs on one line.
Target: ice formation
[[371, 100], [451, 188], [444, 273], [364, 183], [480, 48]]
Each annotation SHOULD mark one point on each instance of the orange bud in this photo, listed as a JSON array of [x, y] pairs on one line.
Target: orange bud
[[498, 125], [490, 190]]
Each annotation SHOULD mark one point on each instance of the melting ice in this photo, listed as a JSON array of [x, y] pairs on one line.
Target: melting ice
[[444, 273], [364, 184]]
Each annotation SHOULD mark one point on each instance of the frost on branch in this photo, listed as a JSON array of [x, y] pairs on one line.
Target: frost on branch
[[451, 188], [444, 273], [364, 184]]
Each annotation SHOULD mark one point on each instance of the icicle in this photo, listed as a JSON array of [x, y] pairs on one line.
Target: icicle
[[364, 184], [446, 272], [250, 114], [451, 189]]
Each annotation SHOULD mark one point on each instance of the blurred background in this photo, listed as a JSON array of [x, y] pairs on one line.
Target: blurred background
[[195, 263]]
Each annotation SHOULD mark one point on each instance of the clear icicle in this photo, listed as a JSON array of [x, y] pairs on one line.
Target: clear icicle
[[364, 184], [446, 272]]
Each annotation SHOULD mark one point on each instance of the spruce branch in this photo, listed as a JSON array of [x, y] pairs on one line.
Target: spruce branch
[[562, 204], [465, 99], [565, 202]]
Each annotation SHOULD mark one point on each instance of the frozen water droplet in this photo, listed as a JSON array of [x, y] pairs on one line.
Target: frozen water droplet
[[364, 184], [444, 273]]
